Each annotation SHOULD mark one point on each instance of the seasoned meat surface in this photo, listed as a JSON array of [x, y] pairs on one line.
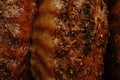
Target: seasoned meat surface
[[69, 40], [15, 30], [112, 58]]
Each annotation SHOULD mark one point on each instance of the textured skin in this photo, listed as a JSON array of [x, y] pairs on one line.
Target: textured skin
[[69, 40], [15, 31], [112, 58]]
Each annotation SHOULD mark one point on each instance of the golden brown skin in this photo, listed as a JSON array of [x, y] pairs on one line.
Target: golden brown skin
[[112, 58], [15, 30], [69, 40]]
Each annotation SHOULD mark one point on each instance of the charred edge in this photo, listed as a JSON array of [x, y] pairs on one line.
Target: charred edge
[[87, 9], [4, 71], [87, 26]]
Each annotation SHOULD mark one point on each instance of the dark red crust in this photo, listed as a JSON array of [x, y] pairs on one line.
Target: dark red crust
[[15, 30]]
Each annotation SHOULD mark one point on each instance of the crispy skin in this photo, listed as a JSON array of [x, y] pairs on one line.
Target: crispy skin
[[112, 58], [69, 40], [15, 30]]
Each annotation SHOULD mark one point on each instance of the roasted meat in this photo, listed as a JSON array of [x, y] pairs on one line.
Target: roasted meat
[[112, 58], [69, 40], [15, 30]]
